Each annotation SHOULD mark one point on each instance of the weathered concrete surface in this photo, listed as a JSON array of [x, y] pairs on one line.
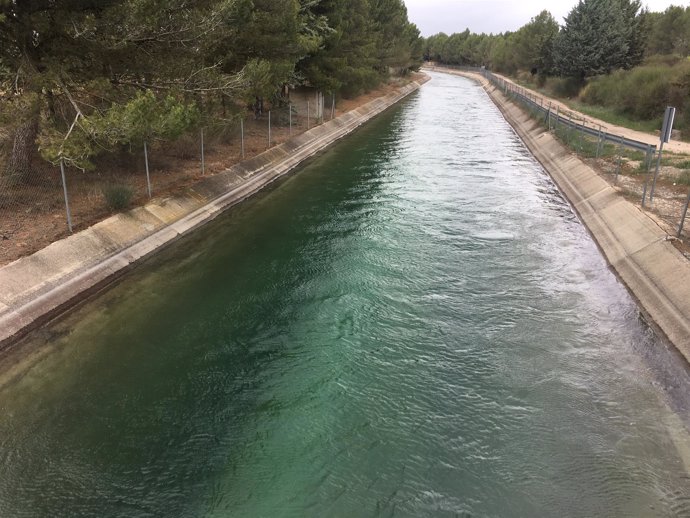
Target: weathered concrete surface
[[36, 288], [639, 251]]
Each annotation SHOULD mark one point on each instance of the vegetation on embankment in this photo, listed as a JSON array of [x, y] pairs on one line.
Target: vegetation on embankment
[[611, 59], [82, 78]]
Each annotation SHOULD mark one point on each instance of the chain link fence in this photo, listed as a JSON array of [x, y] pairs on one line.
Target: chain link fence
[[633, 166], [44, 205]]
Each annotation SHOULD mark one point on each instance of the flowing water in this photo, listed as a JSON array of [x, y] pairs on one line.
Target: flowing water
[[416, 324]]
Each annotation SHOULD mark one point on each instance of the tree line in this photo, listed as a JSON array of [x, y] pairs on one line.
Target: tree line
[[83, 77], [597, 37]]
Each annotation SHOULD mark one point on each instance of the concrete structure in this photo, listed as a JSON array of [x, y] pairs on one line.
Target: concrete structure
[[36, 288], [638, 250]]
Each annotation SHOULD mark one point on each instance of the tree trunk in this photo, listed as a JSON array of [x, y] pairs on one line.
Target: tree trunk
[[19, 164]]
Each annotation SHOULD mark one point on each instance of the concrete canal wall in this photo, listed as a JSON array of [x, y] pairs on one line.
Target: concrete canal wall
[[638, 249], [39, 287]]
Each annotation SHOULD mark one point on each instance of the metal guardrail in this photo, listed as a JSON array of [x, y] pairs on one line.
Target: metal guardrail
[[552, 115], [551, 111], [538, 104]]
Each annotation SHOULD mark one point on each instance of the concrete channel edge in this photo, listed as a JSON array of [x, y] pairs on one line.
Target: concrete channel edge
[[638, 250], [39, 287]]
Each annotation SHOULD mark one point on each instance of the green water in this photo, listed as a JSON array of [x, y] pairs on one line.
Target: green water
[[416, 324]]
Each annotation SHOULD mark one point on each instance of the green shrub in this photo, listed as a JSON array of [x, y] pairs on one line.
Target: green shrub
[[117, 196], [563, 86], [644, 92], [668, 60], [684, 178]]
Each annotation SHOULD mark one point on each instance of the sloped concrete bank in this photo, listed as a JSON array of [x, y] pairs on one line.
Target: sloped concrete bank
[[36, 288], [638, 250]]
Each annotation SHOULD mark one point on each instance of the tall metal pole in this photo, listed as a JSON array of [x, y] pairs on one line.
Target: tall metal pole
[[64, 189], [148, 176], [666, 131]]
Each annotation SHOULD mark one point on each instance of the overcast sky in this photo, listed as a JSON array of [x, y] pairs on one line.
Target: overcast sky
[[493, 16]]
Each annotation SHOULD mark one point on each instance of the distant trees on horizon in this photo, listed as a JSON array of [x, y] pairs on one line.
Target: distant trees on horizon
[[597, 37]]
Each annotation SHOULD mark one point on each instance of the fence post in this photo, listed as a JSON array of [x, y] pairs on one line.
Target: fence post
[[581, 131], [148, 176], [599, 139], [682, 219], [648, 162], [648, 158], [308, 115], [64, 189], [269, 129], [203, 161], [656, 172], [548, 117], [620, 157], [558, 116], [242, 136]]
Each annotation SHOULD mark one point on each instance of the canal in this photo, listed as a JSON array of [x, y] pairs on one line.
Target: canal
[[416, 324]]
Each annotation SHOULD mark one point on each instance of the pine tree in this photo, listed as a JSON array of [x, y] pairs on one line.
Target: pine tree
[[600, 36]]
